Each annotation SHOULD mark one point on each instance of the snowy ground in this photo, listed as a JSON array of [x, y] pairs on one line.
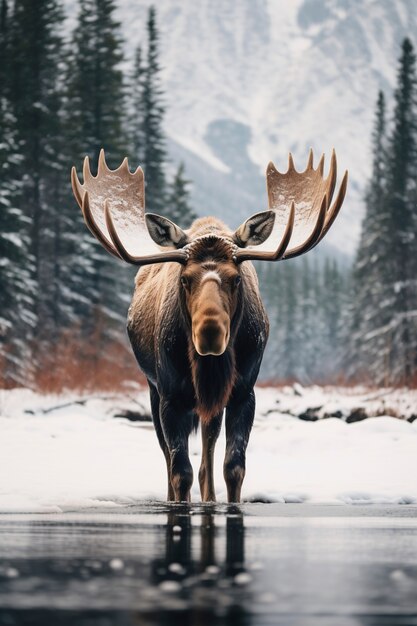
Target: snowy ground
[[63, 453]]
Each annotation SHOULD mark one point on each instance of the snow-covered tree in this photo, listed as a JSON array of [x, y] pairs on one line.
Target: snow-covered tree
[[401, 198], [34, 71], [366, 348], [137, 113], [16, 291], [95, 114], [178, 202], [383, 339], [154, 153]]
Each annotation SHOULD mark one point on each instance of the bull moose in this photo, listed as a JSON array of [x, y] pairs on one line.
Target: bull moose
[[196, 323]]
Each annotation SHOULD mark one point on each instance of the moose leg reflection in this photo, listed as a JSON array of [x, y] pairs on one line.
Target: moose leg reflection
[[184, 562]]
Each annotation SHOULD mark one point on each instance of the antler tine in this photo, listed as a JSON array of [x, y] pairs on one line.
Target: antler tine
[[320, 167], [180, 256], [332, 176], [291, 165], [102, 165], [87, 175], [76, 187], [315, 236], [94, 229], [259, 255], [332, 213], [310, 160]]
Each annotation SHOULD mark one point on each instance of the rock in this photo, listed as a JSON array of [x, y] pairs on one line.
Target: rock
[[337, 414], [310, 415], [357, 415], [133, 416]]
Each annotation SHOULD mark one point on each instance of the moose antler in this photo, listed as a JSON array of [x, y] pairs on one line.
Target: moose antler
[[113, 205], [311, 195]]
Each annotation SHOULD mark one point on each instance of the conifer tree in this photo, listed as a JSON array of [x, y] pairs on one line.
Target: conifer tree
[[365, 348], [35, 65], [401, 187], [154, 155], [178, 203], [15, 287], [290, 338], [96, 105], [307, 318], [137, 113], [333, 302], [95, 113], [384, 329]]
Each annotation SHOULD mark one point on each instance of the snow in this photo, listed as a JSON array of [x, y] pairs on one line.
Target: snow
[[57, 454]]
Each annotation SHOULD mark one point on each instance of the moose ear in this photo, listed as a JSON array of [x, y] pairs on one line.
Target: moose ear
[[255, 230], [164, 232]]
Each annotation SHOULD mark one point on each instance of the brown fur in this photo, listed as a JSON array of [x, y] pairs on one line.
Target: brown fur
[[211, 399], [158, 288]]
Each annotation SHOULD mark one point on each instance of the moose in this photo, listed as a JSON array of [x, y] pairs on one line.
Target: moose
[[196, 323]]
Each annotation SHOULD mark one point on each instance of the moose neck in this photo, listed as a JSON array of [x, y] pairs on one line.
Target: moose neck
[[213, 376]]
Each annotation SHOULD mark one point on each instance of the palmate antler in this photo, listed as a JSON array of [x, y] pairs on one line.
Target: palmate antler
[[113, 205], [311, 195]]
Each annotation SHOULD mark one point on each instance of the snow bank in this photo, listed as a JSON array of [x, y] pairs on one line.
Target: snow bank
[[57, 454]]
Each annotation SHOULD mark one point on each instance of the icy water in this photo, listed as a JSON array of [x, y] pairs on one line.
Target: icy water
[[257, 564]]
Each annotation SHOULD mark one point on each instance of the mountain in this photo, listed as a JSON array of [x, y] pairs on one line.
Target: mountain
[[248, 81]]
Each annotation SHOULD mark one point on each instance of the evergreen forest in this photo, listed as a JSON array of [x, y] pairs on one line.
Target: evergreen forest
[[63, 299]]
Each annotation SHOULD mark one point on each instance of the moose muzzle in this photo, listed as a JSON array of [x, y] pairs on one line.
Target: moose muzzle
[[211, 335]]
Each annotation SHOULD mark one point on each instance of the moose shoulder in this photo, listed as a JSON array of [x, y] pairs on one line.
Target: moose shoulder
[[196, 323]]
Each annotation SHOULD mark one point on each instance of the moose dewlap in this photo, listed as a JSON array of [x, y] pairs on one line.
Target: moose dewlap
[[197, 324]]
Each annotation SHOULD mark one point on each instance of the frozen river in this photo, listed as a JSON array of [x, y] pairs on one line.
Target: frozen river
[[154, 564]]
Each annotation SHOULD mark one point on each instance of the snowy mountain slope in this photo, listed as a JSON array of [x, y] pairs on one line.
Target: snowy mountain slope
[[281, 76]]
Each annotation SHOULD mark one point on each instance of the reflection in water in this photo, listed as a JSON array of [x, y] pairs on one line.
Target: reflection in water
[[202, 569], [179, 548], [189, 569], [165, 565]]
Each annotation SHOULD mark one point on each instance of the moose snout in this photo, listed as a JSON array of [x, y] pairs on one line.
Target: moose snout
[[211, 336]]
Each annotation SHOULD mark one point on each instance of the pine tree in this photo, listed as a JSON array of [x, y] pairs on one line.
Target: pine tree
[[333, 301], [96, 103], [98, 286], [402, 169], [384, 330], [178, 203], [154, 154], [35, 65], [15, 286], [290, 328], [137, 113], [365, 355], [306, 320]]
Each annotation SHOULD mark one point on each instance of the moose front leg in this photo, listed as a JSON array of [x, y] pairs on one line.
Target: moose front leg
[[239, 420], [155, 402], [176, 425], [209, 435]]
